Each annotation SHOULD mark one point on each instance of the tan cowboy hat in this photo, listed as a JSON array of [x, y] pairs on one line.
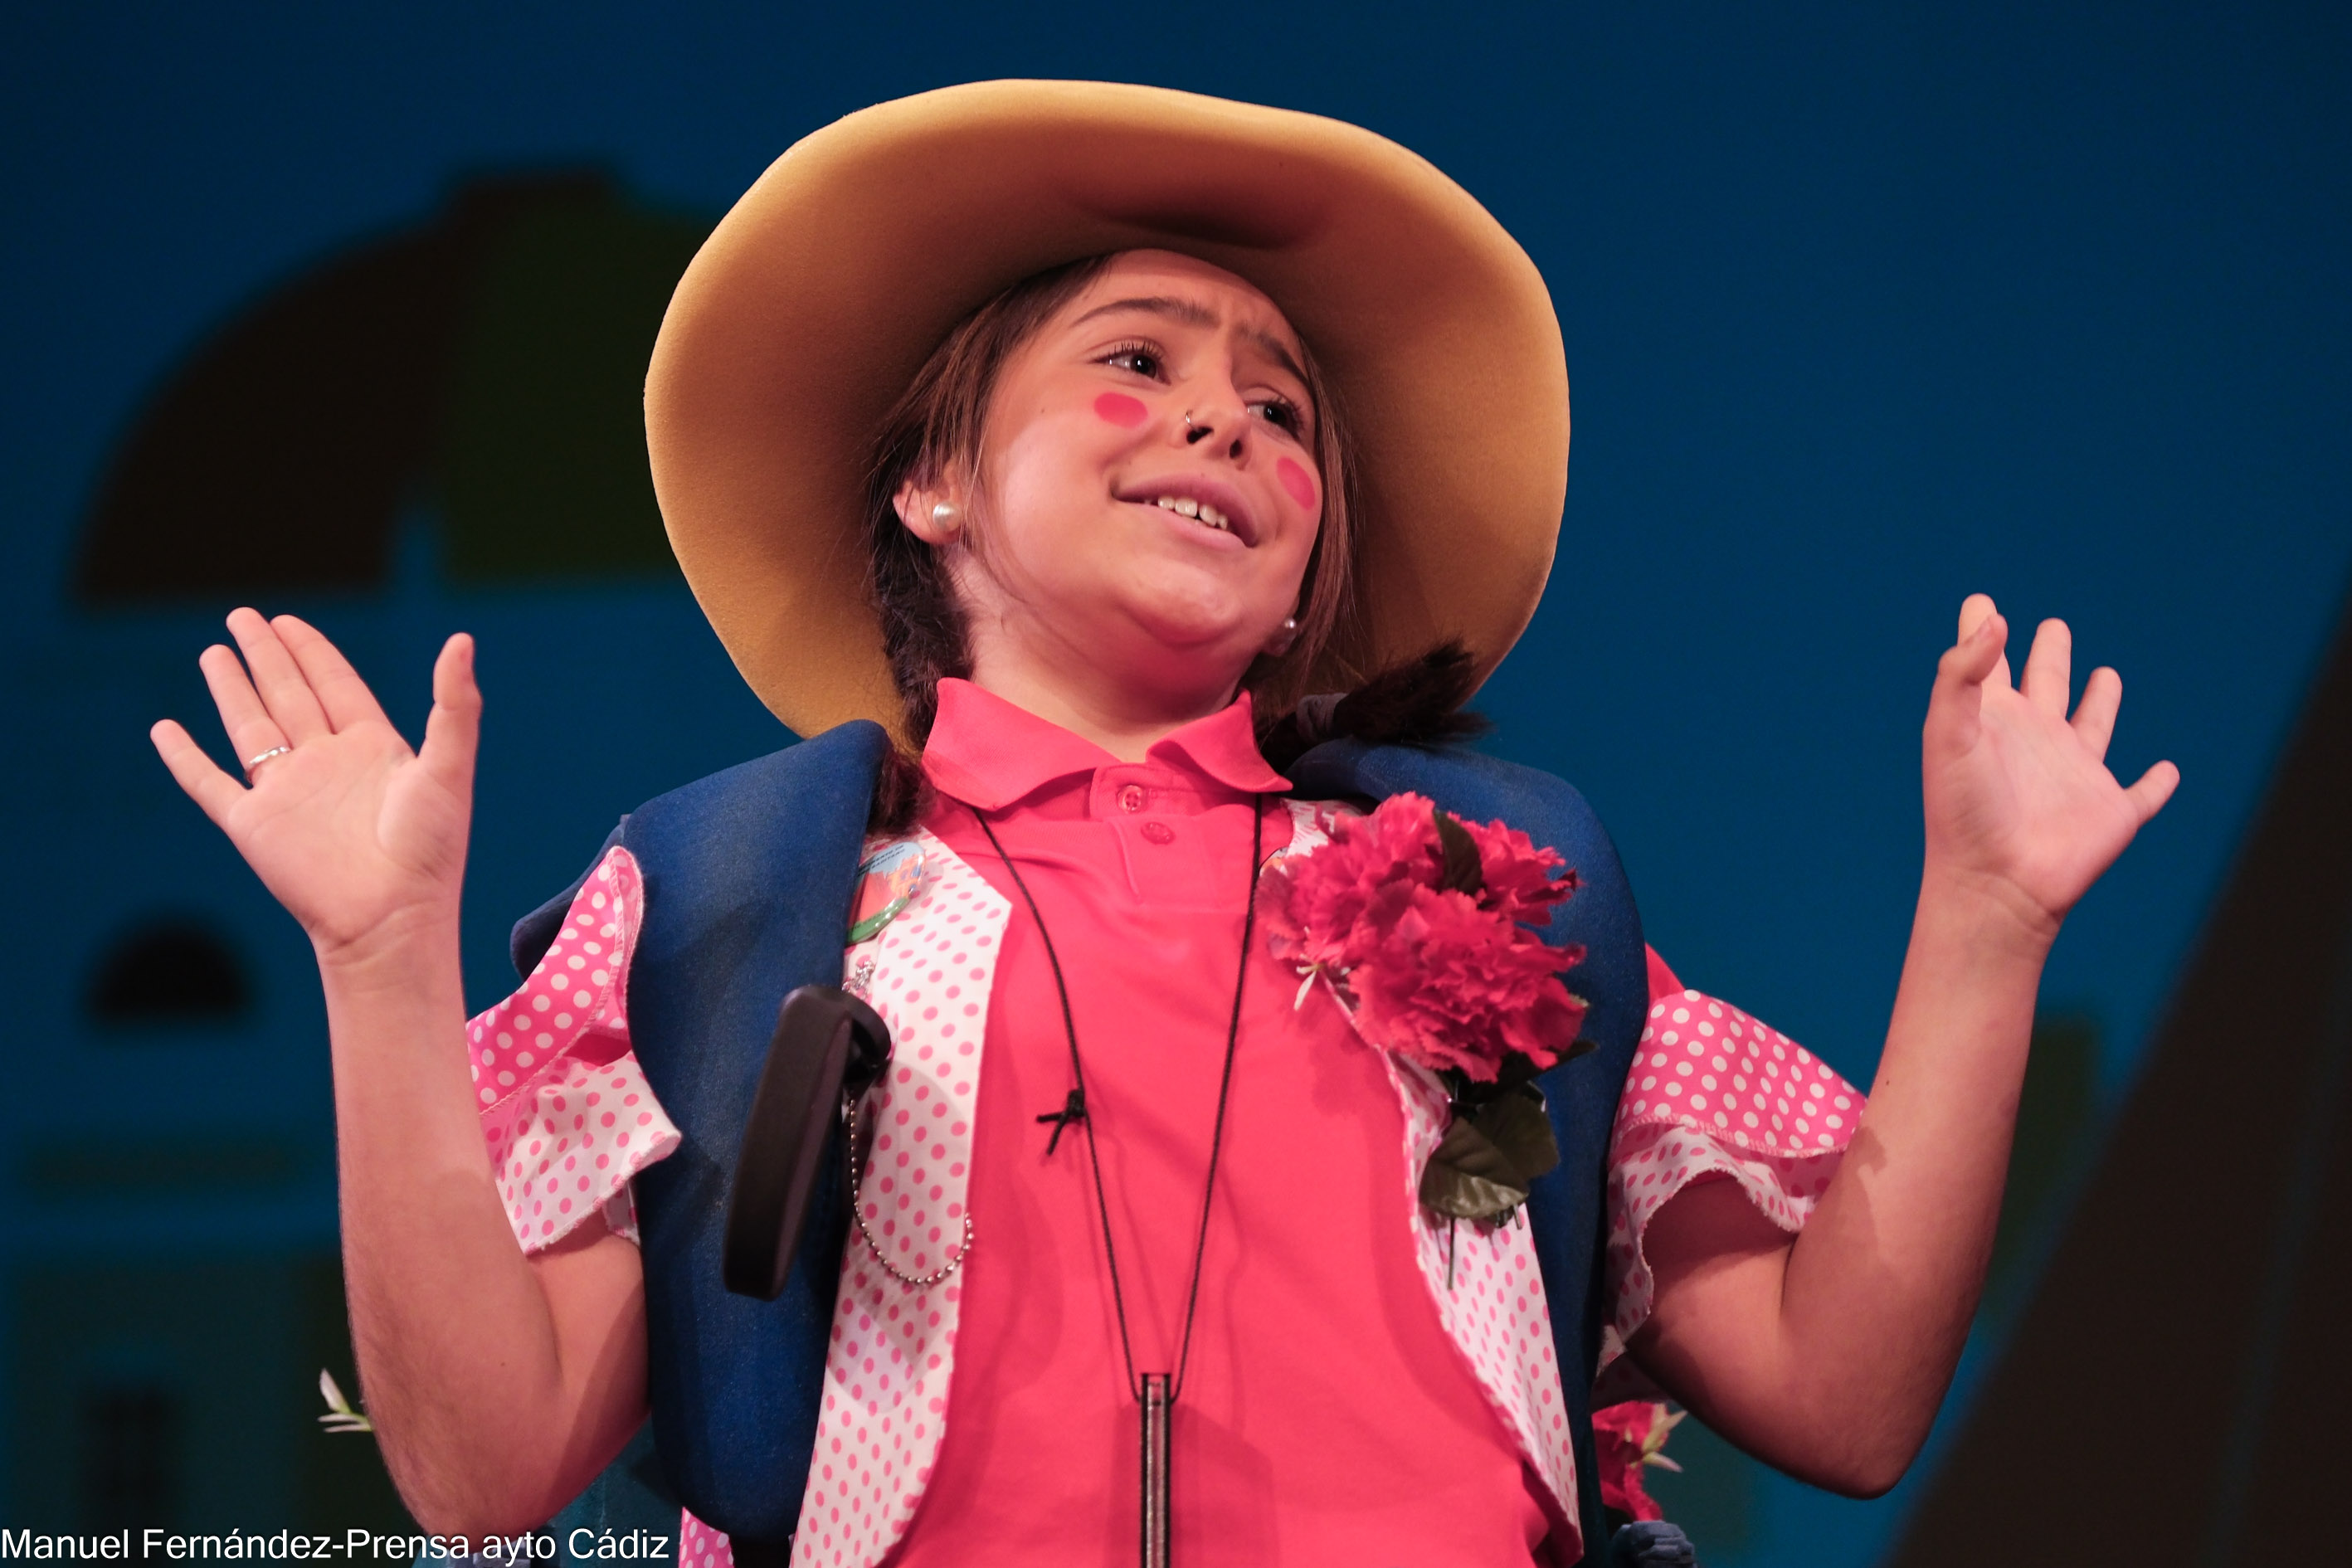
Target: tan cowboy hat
[[816, 300]]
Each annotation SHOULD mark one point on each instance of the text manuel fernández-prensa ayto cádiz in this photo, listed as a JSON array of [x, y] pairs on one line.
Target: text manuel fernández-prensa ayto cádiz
[[349, 1546]]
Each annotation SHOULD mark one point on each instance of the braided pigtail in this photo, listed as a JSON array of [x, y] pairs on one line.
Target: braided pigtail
[[1414, 702]]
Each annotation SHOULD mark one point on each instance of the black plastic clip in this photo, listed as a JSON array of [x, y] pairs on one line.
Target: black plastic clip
[[828, 1049]]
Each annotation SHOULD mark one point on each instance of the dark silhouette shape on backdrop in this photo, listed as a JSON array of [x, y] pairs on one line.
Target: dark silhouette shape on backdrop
[[487, 366]]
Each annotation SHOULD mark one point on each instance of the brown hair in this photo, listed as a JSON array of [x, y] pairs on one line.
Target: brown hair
[[934, 428]]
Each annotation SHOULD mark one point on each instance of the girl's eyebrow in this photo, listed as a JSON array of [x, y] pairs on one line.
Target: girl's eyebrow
[[1193, 313]]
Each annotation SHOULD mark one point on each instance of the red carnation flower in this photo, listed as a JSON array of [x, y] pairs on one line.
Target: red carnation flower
[[1629, 1438], [1430, 954]]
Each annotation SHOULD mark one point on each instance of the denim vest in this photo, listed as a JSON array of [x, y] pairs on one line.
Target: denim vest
[[748, 877]]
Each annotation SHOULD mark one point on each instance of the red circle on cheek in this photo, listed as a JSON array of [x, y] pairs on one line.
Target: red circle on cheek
[[1297, 482], [1118, 408]]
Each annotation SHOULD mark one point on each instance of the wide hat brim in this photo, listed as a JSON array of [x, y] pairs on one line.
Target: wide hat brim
[[814, 301]]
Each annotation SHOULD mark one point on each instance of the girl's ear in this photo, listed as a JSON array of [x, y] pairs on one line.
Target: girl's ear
[[928, 513]]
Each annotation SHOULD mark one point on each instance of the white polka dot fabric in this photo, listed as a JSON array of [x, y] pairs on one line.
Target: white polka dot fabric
[[1714, 1091], [565, 1109], [1485, 1282], [699, 1546], [888, 1374]]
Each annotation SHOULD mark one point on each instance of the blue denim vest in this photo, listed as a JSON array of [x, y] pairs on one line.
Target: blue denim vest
[[748, 874]]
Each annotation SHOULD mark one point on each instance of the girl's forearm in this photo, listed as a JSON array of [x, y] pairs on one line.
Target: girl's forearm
[[494, 1381], [1884, 1281], [1830, 1353]]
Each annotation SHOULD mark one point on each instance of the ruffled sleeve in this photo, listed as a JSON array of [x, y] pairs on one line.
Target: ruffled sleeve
[[566, 1108], [1715, 1092]]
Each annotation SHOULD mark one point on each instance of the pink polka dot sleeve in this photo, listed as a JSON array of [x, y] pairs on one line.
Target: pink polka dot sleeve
[[565, 1109], [1713, 1092]]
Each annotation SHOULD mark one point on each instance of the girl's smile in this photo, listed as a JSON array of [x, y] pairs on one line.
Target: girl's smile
[[1217, 507]]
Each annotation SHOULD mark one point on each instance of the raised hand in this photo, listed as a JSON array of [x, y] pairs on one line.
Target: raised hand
[[2020, 802], [1828, 1354], [362, 839]]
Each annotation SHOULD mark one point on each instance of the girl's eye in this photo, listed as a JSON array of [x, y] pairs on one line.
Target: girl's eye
[[1280, 413], [1140, 358]]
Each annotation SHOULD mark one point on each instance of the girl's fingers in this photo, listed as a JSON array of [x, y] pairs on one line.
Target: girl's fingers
[[1975, 611], [454, 727], [214, 791], [1973, 660], [344, 697], [2095, 716], [2049, 668], [2154, 788], [1956, 702], [284, 690], [251, 731]]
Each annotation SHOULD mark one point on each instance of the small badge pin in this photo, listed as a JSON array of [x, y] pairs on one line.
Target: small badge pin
[[889, 880]]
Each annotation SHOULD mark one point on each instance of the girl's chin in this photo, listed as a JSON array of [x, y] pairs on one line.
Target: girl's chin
[[1157, 643], [1190, 627]]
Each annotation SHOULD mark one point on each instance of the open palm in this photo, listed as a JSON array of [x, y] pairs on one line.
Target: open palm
[[2019, 798], [355, 834]]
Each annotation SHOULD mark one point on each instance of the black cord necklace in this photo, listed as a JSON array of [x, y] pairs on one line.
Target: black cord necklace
[[1155, 1392]]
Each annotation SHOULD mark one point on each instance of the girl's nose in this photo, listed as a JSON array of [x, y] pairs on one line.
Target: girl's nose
[[1221, 419]]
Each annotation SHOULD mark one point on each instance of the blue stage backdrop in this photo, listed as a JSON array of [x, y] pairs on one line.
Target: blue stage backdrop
[[344, 310]]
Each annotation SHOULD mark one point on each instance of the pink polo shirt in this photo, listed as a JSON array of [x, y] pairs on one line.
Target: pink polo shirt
[[1325, 1417]]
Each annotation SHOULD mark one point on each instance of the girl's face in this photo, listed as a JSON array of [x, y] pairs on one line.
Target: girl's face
[[1148, 494]]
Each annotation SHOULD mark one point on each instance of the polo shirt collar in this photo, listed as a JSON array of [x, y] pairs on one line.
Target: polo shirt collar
[[989, 752]]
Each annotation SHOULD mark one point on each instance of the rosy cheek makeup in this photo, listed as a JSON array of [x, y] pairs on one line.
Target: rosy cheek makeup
[[1117, 409], [1296, 479]]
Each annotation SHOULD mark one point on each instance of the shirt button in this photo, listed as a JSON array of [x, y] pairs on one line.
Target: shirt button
[[1159, 833], [1131, 798]]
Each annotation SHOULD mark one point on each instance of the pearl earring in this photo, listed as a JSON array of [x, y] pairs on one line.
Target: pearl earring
[[1283, 639], [948, 515]]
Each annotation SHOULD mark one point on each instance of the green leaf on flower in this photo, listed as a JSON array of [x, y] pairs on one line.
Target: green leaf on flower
[[1462, 873], [1468, 1178], [1517, 1128], [1490, 1157], [1515, 1069]]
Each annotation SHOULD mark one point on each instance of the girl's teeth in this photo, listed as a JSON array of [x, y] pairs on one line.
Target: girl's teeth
[[1190, 508]]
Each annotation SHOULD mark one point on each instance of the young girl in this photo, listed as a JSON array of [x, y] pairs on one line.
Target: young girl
[[1079, 434]]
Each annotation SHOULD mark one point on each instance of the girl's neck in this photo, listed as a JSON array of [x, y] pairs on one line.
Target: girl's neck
[[1125, 719]]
